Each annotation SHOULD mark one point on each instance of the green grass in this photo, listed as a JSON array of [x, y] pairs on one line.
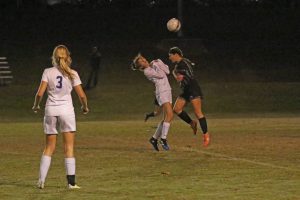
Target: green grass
[[254, 124], [123, 101], [249, 158]]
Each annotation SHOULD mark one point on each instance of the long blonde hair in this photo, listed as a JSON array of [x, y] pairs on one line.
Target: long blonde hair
[[61, 58]]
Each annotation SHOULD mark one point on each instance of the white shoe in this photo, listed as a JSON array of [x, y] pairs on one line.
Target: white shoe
[[40, 184], [73, 186]]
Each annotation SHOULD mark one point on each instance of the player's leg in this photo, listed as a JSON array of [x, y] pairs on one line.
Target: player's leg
[[178, 109], [68, 128], [155, 112], [70, 164], [95, 81], [51, 134], [46, 159], [89, 81], [197, 106], [154, 139], [168, 116]]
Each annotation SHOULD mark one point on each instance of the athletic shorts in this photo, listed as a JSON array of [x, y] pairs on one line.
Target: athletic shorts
[[164, 97], [191, 91], [63, 123]]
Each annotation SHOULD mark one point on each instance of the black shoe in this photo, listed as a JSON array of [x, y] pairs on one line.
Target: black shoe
[[147, 116], [164, 144], [154, 143]]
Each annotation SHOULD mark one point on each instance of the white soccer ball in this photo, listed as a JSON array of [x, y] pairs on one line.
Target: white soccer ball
[[173, 25]]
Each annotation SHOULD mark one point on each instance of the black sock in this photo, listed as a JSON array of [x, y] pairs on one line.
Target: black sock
[[185, 117], [71, 179], [151, 114], [203, 124]]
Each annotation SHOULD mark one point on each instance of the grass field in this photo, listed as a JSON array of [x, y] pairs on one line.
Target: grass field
[[249, 158], [254, 120]]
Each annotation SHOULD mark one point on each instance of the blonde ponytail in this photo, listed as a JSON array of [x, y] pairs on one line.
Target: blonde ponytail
[[61, 58]]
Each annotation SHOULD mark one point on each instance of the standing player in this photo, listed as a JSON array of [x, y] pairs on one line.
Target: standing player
[[157, 71], [183, 73], [59, 81]]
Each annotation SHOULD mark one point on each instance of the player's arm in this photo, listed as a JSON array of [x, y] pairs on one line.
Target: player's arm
[[162, 66], [151, 73], [82, 98], [178, 76], [39, 95]]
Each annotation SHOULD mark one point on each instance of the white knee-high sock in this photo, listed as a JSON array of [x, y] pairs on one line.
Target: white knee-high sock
[[165, 130], [70, 166], [157, 133], [44, 167]]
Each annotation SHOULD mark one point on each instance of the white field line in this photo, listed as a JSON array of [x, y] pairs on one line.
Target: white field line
[[238, 159], [198, 151]]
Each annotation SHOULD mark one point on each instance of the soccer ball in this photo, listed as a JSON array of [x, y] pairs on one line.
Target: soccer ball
[[173, 25]]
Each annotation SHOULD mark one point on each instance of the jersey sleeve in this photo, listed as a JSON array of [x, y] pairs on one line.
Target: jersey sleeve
[[45, 76], [76, 81], [184, 68], [162, 66], [151, 73]]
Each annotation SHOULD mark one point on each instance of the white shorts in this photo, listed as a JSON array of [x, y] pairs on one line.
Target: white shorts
[[65, 123], [164, 97]]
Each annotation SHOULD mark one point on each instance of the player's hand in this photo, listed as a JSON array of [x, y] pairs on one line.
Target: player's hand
[[36, 109], [85, 110], [179, 77]]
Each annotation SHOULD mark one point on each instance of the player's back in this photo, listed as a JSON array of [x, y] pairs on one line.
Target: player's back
[[59, 91]]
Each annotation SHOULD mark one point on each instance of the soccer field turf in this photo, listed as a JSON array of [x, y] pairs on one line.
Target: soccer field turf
[[249, 158]]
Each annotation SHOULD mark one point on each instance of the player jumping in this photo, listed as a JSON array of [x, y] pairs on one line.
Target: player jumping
[[184, 74]]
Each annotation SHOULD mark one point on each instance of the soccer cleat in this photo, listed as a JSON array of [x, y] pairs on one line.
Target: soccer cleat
[[73, 186], [206, 139], [40, 184], [154, 143], [194, 126], [147, 116], [164, 144]]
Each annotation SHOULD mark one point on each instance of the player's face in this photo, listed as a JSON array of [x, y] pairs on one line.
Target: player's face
[[172, 58], [143, 63]]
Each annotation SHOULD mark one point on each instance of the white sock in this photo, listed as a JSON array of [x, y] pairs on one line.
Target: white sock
[[44, 167], [157, 133], [70, 166], [165, 130]]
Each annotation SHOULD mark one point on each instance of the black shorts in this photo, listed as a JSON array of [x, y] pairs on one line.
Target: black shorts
[[191, 91]]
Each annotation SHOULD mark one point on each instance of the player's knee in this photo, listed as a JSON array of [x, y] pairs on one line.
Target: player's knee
[[69, 150], [199, 114], [49, 150]]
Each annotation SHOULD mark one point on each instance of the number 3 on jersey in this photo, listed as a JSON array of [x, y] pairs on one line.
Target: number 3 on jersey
[[59, 82]]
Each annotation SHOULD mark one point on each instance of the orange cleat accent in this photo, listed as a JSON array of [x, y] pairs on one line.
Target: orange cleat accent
[[206, 139], [194, 126]]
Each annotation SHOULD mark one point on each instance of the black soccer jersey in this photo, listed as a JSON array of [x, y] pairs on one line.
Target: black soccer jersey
[[189, 84], [185, 67]]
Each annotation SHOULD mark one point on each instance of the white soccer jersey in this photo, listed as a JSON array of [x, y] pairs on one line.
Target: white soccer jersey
[[157, 73], [59, 89]]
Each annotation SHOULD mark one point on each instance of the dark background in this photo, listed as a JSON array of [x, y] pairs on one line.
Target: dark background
[[260, 37], [246, 52]]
